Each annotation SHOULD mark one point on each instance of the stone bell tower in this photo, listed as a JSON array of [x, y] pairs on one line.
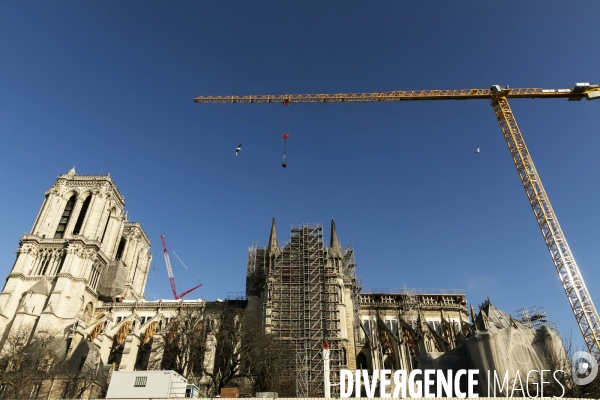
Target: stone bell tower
[[81, 250]]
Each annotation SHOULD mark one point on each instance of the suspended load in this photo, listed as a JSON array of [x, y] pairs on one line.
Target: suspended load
[[284, 161]]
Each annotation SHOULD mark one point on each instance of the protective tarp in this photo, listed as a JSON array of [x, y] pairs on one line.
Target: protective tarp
[[512, 349], [112, 281], [501, 344]]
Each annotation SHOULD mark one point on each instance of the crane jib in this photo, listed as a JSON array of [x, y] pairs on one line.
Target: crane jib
[[588, 91], [573, 284]]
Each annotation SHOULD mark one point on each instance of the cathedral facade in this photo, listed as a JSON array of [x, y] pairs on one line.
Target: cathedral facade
[[81, 252], [80, 236]]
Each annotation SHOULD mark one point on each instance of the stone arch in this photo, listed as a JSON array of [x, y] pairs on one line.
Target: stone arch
[[149, 333], [122, 333], [93, 334], [68, 193], [362, 361], [84, 194], [116, 351]]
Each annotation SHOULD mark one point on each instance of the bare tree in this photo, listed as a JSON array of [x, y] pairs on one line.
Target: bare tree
[[27, 361], [246, 357], [180, 346], [223, 346], [31, 365]]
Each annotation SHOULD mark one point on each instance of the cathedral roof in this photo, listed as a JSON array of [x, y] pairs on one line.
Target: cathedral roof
[[41, 287], [495, 317]]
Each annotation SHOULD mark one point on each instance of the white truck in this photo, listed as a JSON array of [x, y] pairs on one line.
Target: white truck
[[150, 385]]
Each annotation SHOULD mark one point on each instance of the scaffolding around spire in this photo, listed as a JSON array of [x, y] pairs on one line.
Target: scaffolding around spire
[[301, 285]]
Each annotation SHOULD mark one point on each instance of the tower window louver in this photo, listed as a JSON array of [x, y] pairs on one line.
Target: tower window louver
[[81, 217], [64, 220]]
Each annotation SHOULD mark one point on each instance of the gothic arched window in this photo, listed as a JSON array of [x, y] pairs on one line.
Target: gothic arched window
[[81, 216], [120, 249], [389, 362], [45, 265], [62, 262], [64, 220], [361, 361]]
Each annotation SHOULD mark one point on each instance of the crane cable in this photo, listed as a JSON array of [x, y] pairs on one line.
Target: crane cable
[[284, 161], [284, 134], [182, 263]]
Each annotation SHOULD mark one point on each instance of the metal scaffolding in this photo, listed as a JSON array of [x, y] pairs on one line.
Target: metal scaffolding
[[535, 317], [410, 306], [303, 286]]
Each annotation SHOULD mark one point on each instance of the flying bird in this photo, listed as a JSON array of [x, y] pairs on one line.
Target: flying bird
[[478, 150], [238, 149]]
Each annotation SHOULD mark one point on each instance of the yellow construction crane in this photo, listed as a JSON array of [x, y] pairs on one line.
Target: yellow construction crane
[[568, 272]]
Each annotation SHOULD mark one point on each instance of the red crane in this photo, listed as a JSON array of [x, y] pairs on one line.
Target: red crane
[[170, 272]]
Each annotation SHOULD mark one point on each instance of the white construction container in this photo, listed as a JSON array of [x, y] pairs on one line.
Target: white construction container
[[150, 385]]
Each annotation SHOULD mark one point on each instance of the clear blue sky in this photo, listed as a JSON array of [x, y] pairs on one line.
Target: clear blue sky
[[108, 86]]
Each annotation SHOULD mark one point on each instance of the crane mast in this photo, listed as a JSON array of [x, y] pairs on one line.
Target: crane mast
[[170, 272], [577, 294], [169, 269], [564, 262]]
